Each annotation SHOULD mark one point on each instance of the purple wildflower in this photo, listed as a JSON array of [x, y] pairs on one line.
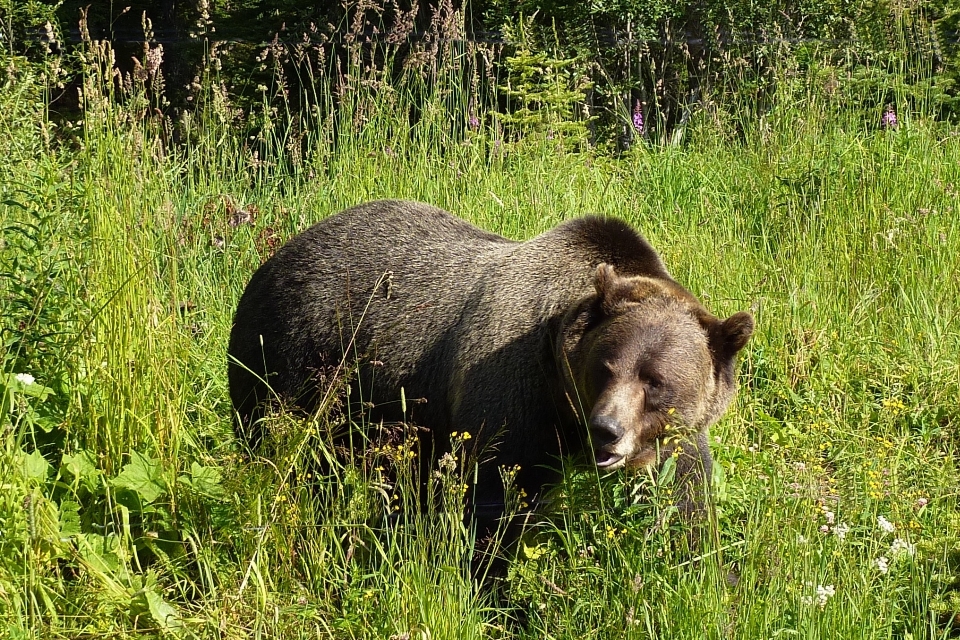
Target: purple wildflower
[[473, 121], [637, 117], [889, 118]]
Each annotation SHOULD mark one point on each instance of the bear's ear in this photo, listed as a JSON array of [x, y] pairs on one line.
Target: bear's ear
[[729, 336], [608, 286], [613, 289]]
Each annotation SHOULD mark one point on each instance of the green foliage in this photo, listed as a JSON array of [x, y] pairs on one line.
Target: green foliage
[[68, 533], [675, 59], [543, 94], [601, 61], [28, 27], [582, 23], [41, 302]]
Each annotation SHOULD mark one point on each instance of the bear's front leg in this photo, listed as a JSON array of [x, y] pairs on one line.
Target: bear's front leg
[[693, 474]]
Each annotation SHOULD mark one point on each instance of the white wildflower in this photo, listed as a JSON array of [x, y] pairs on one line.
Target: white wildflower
[[448, 463], [883, 564], [830, 516], [841, 530], [902, 547], [25, 379], [824, 593], [885, 525]]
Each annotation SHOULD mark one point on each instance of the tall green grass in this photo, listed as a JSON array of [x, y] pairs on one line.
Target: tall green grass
[[128, 508]]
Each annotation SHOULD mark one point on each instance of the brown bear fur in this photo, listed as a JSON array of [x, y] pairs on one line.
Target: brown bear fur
[[576, 341]]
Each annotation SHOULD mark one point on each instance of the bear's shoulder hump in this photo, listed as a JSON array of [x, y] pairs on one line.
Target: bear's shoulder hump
[[614, 241]]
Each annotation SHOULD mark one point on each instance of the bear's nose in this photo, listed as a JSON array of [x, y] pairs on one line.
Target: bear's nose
[[605, 430]]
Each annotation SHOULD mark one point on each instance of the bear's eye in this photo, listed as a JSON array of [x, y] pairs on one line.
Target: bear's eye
[[654, 390]]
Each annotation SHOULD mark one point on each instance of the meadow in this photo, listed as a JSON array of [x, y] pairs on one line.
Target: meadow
[[129, 509]]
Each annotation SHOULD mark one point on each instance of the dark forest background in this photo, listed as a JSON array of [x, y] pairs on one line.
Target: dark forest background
[[620, 69]]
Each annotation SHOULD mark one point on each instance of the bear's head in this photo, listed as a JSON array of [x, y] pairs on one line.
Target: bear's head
[[647, 366]]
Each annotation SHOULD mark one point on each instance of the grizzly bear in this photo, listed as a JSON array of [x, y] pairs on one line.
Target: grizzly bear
[[577, 341]]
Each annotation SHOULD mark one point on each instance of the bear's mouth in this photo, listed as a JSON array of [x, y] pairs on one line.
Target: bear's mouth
[[643, 458], [607, 459]]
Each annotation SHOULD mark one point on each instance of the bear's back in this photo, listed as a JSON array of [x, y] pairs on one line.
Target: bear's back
[[394, 228]]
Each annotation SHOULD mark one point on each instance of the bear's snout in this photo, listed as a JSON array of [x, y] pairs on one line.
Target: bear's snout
[[606, 431]]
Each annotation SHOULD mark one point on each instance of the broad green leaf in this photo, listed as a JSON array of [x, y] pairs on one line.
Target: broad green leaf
[[534, 552], [69, 519], [162, 612], [82, 466], [667, 472], [100, 552], [206, 481], [143, 476], [35, 466]]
